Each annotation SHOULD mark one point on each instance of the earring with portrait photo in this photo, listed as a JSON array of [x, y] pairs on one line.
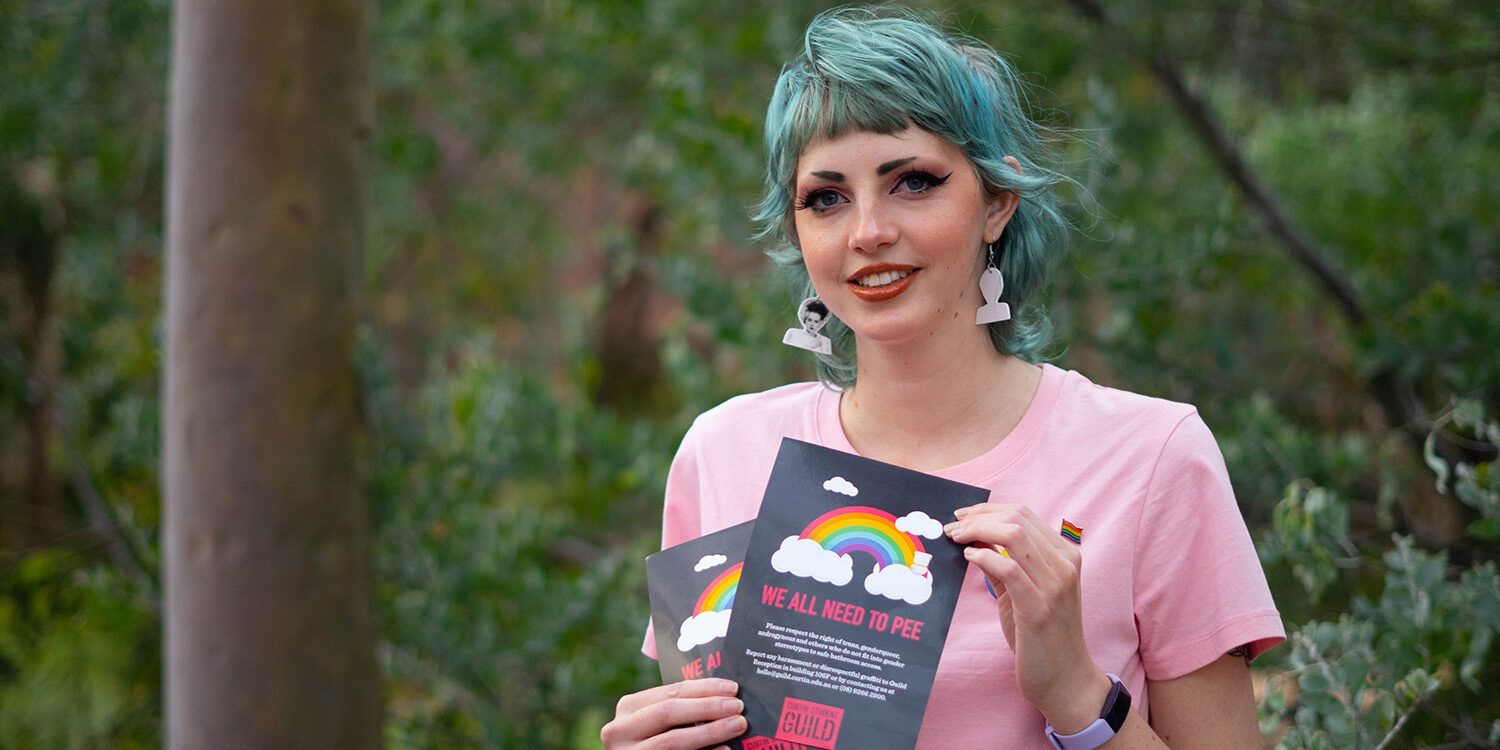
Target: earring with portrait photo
[[991, 286], [813, 315]]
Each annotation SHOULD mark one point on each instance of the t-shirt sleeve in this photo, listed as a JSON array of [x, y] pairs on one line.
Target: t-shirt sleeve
[[1199, 589], [681, 513]]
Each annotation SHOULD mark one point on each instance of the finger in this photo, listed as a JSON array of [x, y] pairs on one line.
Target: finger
[[1055, 559], [991, 530], [987, 533], [1007, 618], [1049, 585], [1020, 539], [971, 510], [703, 735], [1016, 512], [658, 718], [1007, 574], [684, 689], [1057, 554], [1003, 606]]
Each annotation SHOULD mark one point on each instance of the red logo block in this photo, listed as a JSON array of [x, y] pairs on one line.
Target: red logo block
[[767, 743], [809, 723]]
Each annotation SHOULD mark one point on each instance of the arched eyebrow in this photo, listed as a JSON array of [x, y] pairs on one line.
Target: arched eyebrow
[[881, 170], [890, 165]]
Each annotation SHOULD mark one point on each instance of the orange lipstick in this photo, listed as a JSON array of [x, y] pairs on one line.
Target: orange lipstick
[[885, 291]]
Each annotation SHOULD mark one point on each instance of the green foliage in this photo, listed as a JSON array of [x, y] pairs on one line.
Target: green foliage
[[78, 657], [512, 526], [1474, 485], [1426, 639], [1360, 680], [1309, 527]]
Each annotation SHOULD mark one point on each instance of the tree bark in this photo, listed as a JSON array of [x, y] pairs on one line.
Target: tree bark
[[269, 628]]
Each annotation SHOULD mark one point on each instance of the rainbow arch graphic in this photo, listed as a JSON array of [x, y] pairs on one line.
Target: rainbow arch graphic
[[719, 595], [864, 529]]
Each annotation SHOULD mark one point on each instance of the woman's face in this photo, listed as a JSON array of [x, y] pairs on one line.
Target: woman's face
[[891, 229]]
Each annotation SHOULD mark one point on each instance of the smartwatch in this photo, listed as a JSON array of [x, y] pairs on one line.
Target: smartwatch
[[1111, 718]]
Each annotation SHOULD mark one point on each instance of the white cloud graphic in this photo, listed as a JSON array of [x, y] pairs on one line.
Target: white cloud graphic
[[920, 524], [702, 628], [808, 559], [900, 583], [841, 486], [709, 561]]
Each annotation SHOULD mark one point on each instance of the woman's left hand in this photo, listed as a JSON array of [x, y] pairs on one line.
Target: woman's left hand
[[1041, 613]]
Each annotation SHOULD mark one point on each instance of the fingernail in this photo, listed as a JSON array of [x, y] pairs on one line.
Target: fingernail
[[961, 512], [732, 705], [970, 553], [950, 528], [737, 723], [728, 686]]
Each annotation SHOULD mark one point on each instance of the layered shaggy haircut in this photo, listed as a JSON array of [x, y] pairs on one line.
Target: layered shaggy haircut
[[882, 72]]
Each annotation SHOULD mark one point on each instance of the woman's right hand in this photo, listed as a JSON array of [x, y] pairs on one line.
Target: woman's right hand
[[667, 717]]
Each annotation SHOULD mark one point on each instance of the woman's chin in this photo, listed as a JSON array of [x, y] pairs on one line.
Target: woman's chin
[[905, 332]]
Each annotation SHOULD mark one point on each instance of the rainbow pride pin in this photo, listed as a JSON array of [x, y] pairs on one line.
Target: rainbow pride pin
[[1072, 533]]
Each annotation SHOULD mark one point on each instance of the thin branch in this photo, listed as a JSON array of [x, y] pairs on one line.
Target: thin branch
[[106, 526], [1401, 722], [1394, 393], [1333, 685]]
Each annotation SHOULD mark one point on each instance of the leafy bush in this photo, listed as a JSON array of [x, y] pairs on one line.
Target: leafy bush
[[79, 656], [512, 522], [1415, 659]]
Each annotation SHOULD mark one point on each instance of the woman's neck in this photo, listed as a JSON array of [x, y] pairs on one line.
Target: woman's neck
[[936, 404]]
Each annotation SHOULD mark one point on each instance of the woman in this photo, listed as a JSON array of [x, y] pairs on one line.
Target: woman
[[906, 185]]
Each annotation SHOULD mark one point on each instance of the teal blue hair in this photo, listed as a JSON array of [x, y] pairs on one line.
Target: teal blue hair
[[860, 70]]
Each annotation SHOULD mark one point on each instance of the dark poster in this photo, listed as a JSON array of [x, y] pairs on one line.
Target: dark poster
[[846, 594], [692, 588]]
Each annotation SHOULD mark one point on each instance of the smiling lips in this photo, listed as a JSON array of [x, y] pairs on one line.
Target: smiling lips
[[882, 281]]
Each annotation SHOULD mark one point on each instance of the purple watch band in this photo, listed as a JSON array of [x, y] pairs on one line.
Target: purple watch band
[[1111, 718]]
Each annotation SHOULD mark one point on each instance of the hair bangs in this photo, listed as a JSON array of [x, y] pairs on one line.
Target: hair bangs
[[831, 108]]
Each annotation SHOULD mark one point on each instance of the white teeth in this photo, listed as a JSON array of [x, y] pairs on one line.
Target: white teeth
[[881, 279]]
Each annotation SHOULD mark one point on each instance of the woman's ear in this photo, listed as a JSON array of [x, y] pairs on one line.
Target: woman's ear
[[1001, 207]]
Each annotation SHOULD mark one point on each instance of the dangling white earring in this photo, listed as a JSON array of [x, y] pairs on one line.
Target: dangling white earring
[[813, 315], [991, 286]]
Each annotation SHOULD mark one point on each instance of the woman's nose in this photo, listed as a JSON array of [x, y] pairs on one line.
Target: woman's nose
[[873, 229]]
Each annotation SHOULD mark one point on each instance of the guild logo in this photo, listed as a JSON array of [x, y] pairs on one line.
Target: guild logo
[[809, 723], [768, 743]]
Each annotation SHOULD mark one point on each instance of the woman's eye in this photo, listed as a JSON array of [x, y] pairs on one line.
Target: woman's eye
[[919, 182], [821, 200]]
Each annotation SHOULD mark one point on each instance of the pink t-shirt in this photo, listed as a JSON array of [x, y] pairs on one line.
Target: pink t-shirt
[[1170, 582]]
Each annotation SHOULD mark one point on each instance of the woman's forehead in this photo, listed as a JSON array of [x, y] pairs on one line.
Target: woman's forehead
[[865, 148]]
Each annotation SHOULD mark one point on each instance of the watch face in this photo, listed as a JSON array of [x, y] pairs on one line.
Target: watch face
[[1117, 706], [1111, 718]]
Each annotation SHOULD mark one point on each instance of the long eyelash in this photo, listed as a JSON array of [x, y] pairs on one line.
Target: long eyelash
[[805, 202], [933, 180]]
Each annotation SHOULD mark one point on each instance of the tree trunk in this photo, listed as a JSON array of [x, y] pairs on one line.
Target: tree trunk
[[269, 629]]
